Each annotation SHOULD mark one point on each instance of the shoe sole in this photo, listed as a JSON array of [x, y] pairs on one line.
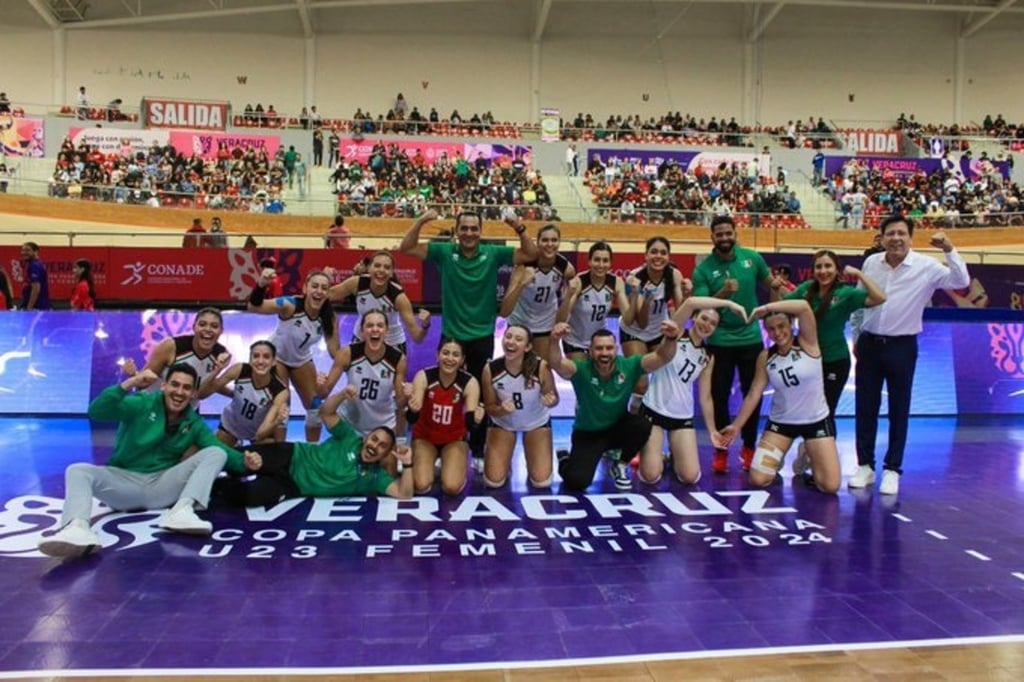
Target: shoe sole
[[853, 484], [624, 486], [188, 531], [66, 550]]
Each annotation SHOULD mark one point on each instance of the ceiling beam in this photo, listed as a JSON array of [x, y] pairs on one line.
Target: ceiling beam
[[901, 5], [307, 23], [541, 22], [44, 12], [241, 11], [762, 25], [971, 28]]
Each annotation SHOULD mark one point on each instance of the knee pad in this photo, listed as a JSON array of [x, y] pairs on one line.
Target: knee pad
[[767, 460], [546, 483], [313, 417], [494, 484]]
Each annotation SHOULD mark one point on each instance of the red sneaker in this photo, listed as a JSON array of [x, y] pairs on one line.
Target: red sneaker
[[720, 462], [635, 462], [746, 456]]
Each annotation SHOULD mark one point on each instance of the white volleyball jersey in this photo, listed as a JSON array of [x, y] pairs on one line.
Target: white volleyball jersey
[[590, 310], [799, 387], [658, 299], [670, 393], [538, 301], [249, 405], [375, 405], [366, 301], [185, 355], [296, 337], [530, 412]]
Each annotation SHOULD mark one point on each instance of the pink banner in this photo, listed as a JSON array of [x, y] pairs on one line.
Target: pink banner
[[122, 141], [359, 150], [206, 145], [21, 136]]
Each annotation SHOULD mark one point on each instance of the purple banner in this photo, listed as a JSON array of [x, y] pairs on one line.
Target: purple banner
[[708, 160], [964, 168]]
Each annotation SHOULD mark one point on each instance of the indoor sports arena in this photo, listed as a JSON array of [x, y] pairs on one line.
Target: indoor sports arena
[[511, 340]]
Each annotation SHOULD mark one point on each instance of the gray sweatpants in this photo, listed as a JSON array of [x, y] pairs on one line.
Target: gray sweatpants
[[126, 490]]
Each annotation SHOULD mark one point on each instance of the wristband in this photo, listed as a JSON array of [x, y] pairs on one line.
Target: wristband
[[520, 229], [257, 296]]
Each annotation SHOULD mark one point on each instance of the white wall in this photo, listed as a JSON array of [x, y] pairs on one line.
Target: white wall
[[810, 60], [468, 73], [27, 72], [128, 64]]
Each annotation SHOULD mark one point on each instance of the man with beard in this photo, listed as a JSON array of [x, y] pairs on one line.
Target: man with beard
[[603, 383], [733, 272], [148, 469], [469, 283], [345, 464]]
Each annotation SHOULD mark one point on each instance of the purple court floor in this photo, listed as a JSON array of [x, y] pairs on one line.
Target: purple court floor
[[520, 575]]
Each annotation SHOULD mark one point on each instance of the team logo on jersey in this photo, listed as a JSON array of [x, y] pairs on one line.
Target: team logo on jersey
[[25, 519], [152, 416]]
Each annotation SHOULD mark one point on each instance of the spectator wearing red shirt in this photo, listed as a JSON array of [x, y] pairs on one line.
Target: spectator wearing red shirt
[[6, 293], [338, 236], [275, 287], [83, 296], [196, 236]]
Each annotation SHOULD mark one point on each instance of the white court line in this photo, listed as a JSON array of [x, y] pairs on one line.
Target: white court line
[[515, 665], [978, 555], [904, 519], [936, 534], [1020, 576]]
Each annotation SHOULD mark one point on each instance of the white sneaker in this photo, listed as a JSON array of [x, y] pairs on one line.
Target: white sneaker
[[184, 520], [802, 462], [73, 540], [863, 477], [890, 483]]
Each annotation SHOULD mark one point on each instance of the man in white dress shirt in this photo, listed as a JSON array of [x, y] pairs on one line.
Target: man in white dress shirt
[[886, 347]]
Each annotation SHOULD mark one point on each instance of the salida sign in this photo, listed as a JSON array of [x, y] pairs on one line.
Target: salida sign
[[194, 114], [874, 142]]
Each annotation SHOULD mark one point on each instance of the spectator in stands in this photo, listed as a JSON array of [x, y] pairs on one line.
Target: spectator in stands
[[338, 236], [315, 119], [114, 111], [818, 163], [304, 118], [301, 173], [196, 236], [333, 144], [82, 112], [783, 273], [275, 283], [6, 291], [217, 238], [83, 296], [4, 175], [290, 157], [5, 104], [401, 106], [318, 147], [35, 295]]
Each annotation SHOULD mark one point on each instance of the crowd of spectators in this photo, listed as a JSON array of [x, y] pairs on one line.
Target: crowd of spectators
[[394, 183], [945, 198], [243, 179], [669, 193]]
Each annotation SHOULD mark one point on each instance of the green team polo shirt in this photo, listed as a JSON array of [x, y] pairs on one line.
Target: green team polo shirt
[[468, 287], [749, 269], [600, 403], [334, 469], [832, 327]]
